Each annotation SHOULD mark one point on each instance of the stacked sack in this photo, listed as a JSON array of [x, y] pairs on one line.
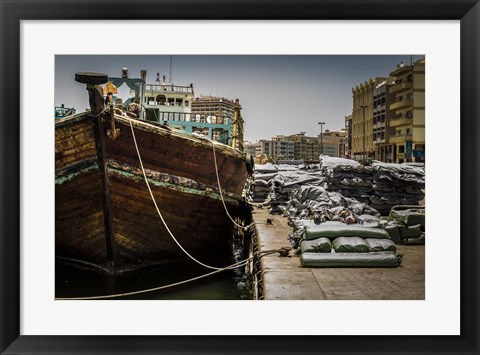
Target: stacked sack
[[396, 184], [336, 244], [314, 202], [407, 225], [347, 177], [258, 189], [287, 183]]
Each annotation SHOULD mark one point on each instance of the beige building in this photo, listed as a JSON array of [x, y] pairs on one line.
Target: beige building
[[384, 150], [409, 107], [304, 147], [362, 119], [334, 142], [220, 111]]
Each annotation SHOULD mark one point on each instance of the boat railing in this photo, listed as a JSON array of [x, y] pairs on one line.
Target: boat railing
[[161, 116], [168, 88]]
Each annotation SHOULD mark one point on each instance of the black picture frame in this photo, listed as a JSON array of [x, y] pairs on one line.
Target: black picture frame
[[12, 12]]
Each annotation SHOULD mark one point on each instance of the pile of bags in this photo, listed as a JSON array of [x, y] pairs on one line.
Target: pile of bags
[[396, 184], [406, 225], [262, 188], [336, 244], [314, 202], [287, 183], [347, 177], [258, 189], [379, 187]]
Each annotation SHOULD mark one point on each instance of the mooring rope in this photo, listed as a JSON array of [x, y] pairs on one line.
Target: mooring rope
[[216, 269], [132, 293], [99, 114], [158, 210], [220, 189], [242, 263]]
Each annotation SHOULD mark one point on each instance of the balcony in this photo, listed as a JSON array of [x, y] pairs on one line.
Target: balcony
[[395, 122], [400, 104], [379, 140], [379, 125], [401, 86], [400, 138]]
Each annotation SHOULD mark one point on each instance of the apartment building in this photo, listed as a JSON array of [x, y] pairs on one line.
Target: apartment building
[[382, 115], [409, 108], [334, 142], [304, 147], [215, 110], [283, 148], [362, 119]]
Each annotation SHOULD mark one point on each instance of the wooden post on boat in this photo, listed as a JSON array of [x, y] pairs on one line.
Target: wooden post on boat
[[235, 125], [109, 90], [93, 80]]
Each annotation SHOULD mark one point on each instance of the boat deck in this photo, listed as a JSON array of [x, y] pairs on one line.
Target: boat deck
[[285, 279]]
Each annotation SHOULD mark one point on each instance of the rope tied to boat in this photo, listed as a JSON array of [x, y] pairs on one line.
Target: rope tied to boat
[[160, 213], [221, 194], [100, 113], [133, 293], [216, 269]]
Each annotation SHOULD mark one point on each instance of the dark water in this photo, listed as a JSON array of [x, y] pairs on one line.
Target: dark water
[[70, 281]]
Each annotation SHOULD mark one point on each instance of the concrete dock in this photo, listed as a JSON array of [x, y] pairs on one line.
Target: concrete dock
[[285, 279]]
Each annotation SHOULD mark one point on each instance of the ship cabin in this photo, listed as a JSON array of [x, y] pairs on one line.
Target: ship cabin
[[171, 105]]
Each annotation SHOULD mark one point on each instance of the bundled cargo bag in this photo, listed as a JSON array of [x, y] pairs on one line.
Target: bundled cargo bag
[[381, 259], [319, 245], [350, 245], [419, 241], [344, 230], [393, 232], [414, 219], [411, 232], [376, 245]]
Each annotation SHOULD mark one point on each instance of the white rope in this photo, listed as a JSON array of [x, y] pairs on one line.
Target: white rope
[[98, 115], [216, 269], [221, 194], [158, 210], [240, 263], [233, 266]]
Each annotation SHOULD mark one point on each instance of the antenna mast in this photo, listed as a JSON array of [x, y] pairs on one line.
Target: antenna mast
[[170, 80]]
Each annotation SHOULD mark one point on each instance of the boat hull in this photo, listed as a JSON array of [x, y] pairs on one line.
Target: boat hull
[[180, 171]]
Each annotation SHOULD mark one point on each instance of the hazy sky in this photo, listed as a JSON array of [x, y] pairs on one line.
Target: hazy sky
[[279, 94]]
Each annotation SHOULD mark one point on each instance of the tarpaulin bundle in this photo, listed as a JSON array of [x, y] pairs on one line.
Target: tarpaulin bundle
[[348, 177], [407, 224], [286, 183], [350, 245], [265, 168], [345, 230], [266, 173], [376, 245], [370, 259], [396, 184], [319, 245], [322, 205]]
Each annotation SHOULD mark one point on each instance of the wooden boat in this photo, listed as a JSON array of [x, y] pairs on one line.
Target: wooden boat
[[105, 214]]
